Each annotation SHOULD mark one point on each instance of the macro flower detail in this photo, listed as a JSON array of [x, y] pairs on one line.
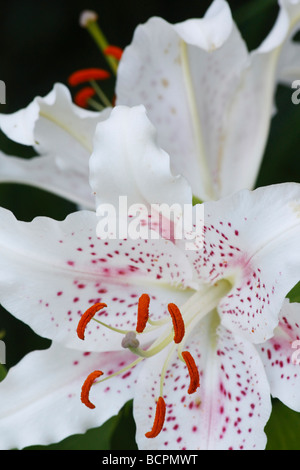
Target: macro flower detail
[[217, 304], [193, 326], [210, 99], [133, 345]]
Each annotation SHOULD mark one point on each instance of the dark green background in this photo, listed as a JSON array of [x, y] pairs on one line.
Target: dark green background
[[41, 43]]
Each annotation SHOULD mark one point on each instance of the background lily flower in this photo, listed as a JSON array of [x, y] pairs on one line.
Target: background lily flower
[[209, 98], [229, 295], [197, 77], [281, 358], [62, 134]]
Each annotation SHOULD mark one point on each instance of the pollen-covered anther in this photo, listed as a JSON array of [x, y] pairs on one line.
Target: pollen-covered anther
[[86, 387], [113, 51], [142, 313], [82, 97], [159, 419], [87, 75], [193, 371], [178, 323], [86, 317]]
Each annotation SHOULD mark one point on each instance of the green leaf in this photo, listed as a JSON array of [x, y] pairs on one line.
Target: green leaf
[[123, 437], [3, 372], [294, 294], [283, 428], [118, 433], [93, 439]]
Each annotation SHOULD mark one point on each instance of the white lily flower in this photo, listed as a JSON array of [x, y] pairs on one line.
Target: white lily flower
[[200, 362], [62, 135], [209, 98], [280, 356]]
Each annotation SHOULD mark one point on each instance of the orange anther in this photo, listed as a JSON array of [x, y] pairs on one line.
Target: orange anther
[[85, 390], [193, 371], [178, 323], [114, 51], [86, 317], [82, 97], [86, 75], [142, 313], [159, 418]]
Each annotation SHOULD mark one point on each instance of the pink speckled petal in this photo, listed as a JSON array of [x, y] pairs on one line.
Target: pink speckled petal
[[228, 411], [40, 396], [62, 135], [132, 164], [281, 357], [252, 240], [53, 271]]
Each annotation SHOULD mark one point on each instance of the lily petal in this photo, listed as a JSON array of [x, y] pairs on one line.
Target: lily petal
[[52, 271], [229, 410], [62, 134], [275, 58], [289, 60], [125, 144], [163, 65], [280, 356], [252, 240], [41, 395], [44, 173], [210, 99]]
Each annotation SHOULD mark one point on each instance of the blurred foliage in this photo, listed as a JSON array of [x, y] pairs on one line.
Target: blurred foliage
[[283, 428], [42, 43]]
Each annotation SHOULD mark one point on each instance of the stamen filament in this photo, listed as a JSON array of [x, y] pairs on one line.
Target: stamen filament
[[114, 51], [159, 419], [94, 104], [142, 313], [100, 93], [178, 323], [124, 369], [117, 330], [101, 41], [193, 371], [86, 317], [86, 387], [83, 96], [158, 323], [164, 369]]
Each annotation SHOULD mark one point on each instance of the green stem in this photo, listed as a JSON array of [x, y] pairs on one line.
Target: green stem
[[101, 41]]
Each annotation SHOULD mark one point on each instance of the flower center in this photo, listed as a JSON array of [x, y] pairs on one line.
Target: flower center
[[179, 325]]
